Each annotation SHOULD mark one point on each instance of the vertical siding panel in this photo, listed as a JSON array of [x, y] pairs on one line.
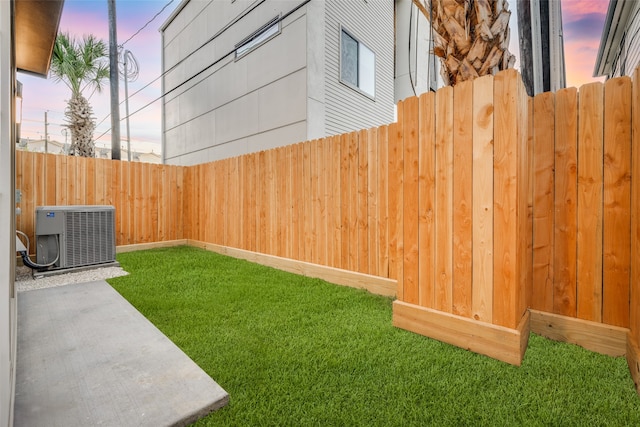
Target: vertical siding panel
[[426, 200], [482, 228], [617, 200], [462, 198], [444, 200], [543, 201], [564, 293]]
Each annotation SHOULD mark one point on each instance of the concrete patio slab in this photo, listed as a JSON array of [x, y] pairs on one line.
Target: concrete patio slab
[[88, 357]]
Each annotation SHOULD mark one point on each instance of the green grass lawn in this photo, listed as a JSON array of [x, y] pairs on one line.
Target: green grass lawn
[[291, 350]]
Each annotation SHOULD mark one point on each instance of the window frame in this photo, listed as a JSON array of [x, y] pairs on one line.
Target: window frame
[[357, 88], [253, 41]]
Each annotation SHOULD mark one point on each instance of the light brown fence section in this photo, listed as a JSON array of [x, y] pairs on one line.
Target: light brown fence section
[[465, 191], [148, 198], [480, 201], [582, 212], [322, 201]]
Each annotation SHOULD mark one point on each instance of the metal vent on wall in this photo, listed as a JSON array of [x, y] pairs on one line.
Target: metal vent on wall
[[84, 235]]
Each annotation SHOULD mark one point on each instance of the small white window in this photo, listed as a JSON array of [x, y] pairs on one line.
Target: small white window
[[357, 64], [262, 35]]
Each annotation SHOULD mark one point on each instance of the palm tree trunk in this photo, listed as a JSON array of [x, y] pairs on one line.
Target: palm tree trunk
[[470, 36], [81, 123]]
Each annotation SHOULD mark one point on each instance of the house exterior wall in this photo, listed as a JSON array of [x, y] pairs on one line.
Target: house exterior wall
[[628, 57], [8, 320], [235, 106], [287, 90], [371, 23]]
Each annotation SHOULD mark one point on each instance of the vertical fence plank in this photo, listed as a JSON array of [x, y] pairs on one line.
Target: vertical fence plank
[[590, 181], [90, 177], [353, 200], [634, 315], [462, 198], [362, 207], [383, 191], [52, 176], [543, 201], [336, 204], [566, 159], [482, 299], [426, 199], [344, 198], [372, 201], [410, 205], [505, 200], [444, 200], [395, 203], [617, 200]]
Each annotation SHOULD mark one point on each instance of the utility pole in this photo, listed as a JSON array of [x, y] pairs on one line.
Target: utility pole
[[46, 133], [113, 77]]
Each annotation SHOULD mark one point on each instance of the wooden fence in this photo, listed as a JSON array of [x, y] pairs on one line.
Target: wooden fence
[[479, 201], [148, 198]]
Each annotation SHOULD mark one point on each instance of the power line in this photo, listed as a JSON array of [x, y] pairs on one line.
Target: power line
[[225, 28], [148, 22]]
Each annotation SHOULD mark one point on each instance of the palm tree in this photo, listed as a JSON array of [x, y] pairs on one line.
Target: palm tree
[[470, 36], [80, 65]]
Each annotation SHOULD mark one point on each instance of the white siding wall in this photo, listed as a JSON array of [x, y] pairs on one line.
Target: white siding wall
[[371, 22], [234, 106], [8, 322], [628, 54]]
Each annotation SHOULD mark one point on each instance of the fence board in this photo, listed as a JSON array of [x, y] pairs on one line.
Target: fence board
[[543, 201], [372, 201], [634, 315], [444, 200], [505, 201], [411, 203], [426, 200], [589, 209], [566, 159], [617, 220], [361, 203], [482, 298], [383, 206], [462, 198]]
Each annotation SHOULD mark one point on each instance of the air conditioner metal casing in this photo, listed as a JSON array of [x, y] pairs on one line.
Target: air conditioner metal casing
[[85, 235]]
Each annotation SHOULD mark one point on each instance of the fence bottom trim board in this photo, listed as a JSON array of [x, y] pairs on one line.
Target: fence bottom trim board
[[153, 245], [498, 342], [594, 336], [374, 284], [633, 360]]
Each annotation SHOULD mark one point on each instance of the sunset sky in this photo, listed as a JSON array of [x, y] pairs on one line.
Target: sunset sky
[[582, 24]]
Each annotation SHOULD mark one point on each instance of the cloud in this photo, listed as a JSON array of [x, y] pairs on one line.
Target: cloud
[[587, 26]]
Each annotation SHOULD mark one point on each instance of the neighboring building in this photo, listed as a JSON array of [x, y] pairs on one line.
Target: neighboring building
[[541, 45], [27, 35], [246, 75], [619, 52]]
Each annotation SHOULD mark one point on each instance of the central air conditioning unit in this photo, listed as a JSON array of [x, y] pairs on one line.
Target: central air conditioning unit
[[81, 235]]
